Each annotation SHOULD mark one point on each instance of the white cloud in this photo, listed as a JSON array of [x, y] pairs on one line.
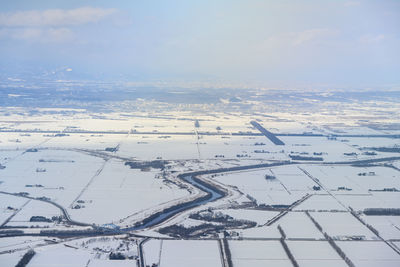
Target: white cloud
[[55, 17], [26, 33], [352, 3], [59, 35], [44, 35], [370, 38], [51, 25], [310, 35], [302, 37]]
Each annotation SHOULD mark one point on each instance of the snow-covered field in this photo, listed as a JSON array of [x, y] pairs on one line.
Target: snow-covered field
[[258, 253], [316, 253], [255, 185], [387, 226], [370, 254], [95, 186], [261, 217], [354, 180], [190, 253], [151, 147], [34, 208], [290, 224], [152, 251], [10, 205], [374, 200], [56, 174], [320, 202], [118, 192], [341, 225], [261, 232]]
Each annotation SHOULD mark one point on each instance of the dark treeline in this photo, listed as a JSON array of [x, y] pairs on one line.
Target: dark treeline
[[382, 211], [26, 258]]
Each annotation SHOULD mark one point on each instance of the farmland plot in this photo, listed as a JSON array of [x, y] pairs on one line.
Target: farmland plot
[[370, 254], [316, 253], [190, 253], [118, 192], [258, 253]]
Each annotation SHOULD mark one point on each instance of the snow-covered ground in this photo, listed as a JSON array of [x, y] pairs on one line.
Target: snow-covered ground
[[341, 225], [190, 253], [255, 185], [34, 208], [95, 186], [316, 253], [290, 224], [118, 192], [320, 202], [387, 226], [152, 251], [258, 253], [370, 254]]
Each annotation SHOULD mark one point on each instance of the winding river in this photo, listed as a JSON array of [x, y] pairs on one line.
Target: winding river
[[212, 194]]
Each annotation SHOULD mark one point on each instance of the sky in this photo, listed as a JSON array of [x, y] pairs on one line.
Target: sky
[[343, 43]]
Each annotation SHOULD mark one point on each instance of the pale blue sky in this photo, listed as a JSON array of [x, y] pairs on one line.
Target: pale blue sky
[[354, 43]]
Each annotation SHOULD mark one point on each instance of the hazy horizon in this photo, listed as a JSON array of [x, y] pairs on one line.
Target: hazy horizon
[[339, 43]]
